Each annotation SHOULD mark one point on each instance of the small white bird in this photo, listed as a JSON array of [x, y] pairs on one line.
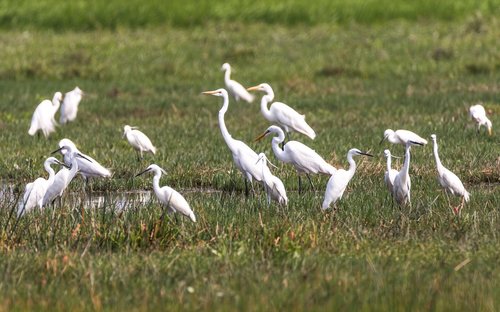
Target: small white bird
[[402, 183], [43, 116], [87, 167], [303, 158], [245, 159], [340, 178], [390, 174], [63, 177], [234, 87], [402, 137], [69, 107], [274, 186], [282, 114], [448, 180], [167, 195], [478, 114], [139, 141], [35, 191]]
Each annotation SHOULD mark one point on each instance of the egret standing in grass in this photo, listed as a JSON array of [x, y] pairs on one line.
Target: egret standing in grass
[[303, 158], [43, 116], [403, 137], [478, 114], [245, 159], [234, 87], [390, 174], [63, 177], [87, 167], [448, 180], [139, 141], [35, 191], [69, 107], [274, 186], [281, 114], [167, 195], [402, 183], [340, 178]]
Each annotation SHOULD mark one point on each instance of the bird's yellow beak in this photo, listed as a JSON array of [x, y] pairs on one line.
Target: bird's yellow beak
[[490, 131], [256, 88], [261, 136], [209, 92]]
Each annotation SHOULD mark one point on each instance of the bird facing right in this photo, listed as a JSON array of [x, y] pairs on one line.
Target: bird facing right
[[448, 180], [478, 114]]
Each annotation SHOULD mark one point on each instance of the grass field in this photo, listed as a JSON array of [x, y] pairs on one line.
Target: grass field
[[352, 80]]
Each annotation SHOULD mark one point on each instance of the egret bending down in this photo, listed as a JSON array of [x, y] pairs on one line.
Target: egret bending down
[[402, 183], [274, 186], [478, 114], [35, 191], [234, 87], [390, 174], [303, 158], [245, 159], [282, 114], [69, 107], [403, 137], [139, 141], [167, 195], [340, 178], [448, 180], [43, 116]]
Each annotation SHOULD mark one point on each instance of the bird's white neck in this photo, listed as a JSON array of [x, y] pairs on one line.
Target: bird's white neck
[[227, 75], [280, 154], [436, 157], [51, 172], [263, 106], [406, 165], [156, 182], [389, 163], [222, 124], [74, 165], [352, 165]]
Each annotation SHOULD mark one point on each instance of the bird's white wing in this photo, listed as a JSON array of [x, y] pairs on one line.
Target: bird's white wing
[[92, 168], [406, 135], [246, 160], [477, 112], [177, 202], [142, 141], [453, 182], [43, 119], [287, 116], [61, 181], [306, 159], [238, 91]]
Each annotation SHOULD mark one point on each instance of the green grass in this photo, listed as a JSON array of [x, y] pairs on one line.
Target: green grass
[[353, 81]]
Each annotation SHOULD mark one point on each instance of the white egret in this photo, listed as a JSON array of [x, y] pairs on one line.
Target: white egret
[[35, 191], [402, 137], [87, 167], [282, 114], [274, 186], [303, 158], [245, 159], [234, 87], [63, 177], [167, 195], [478, 114], [43, 116], [448, 180], [402, 183], [340, 178], [69, 106], [139, 141], [390, 174]]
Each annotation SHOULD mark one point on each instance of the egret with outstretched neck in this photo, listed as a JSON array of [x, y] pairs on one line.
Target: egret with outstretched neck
[[402, 181], [281, 114], [303, 158], [245, 159], [234, 87], [167, 195], [448, 180], [340, 178], [390, 174]]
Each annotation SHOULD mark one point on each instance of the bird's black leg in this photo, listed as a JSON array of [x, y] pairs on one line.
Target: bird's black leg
[[300, 185], [310, 182], [246, 188]]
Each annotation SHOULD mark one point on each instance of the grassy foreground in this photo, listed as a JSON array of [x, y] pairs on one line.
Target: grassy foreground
[[352, 82]]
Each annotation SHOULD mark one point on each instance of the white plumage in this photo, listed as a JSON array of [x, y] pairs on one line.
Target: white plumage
[[390, 174], [69, 107], [43, 116], [282, 114], [340, 178], [234, 87], [478, 114], [403, 137], [448, 180], [402, 182], [274, 186], [87, 167], [35, 191], [139, 141], [168, 196]]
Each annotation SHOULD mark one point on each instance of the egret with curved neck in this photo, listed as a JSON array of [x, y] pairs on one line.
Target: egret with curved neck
[[43, 116], [390, 173], [234, 87], [402, 182]]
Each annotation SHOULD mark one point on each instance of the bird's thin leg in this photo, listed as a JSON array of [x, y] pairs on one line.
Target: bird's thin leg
[[300, 184], [246, 188], [137, 154], [310, 182]]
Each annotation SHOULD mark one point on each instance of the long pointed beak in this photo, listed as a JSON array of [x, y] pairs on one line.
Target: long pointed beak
[[382, 140], [261, 136], [255, 88], [57, 150], [366, 154], [209, 92], [142, 172]]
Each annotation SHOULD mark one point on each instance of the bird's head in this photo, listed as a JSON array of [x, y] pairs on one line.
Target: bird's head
[[152, 168], [66, 142], [79, 91], [128, 128], [225, 67], [387, 133], [72, 151], [53, 160], [355, 151], [387, 153], [218, 92], [271, 129], [265, 160], [57, 96], [433, 137], [265, 87]]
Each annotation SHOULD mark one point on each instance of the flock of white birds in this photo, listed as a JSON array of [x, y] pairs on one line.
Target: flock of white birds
[[253, 166]]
